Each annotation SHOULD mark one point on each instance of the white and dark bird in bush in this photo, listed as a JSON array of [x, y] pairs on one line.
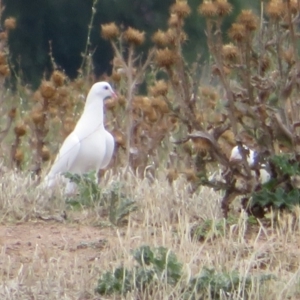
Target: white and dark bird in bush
[[89, 147], [260, 171], [236, 156]]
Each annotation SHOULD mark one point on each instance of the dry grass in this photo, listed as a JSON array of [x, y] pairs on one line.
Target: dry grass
[[46, 257], [51, 249]]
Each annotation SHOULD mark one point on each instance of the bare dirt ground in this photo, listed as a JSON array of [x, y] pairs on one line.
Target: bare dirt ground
[[36, 251], [21, 241]]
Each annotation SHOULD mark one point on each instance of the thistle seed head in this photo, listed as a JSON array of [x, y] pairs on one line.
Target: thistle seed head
[[10, 23], [37, 117], [160, 88], [230, 52], [289, 56], [248, 19], [223, 8], [45, 154], [116, 77], [181, 9], [134, 36], [19, 156], [237, 32], [4, 70], [3, 36], [119, 137], [160, 104], [12, 113], [47, 89], [2, 58], [275, 9], [160, 38], [110, 103], [208, 9], [58, 78], [165, 58], [110, 31], [20, 130]]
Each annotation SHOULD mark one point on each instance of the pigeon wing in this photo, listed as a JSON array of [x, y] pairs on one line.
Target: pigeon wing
[[110, 145], [65, 158]]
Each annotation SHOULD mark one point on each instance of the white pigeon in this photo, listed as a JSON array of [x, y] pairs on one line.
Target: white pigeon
[[89, 147]]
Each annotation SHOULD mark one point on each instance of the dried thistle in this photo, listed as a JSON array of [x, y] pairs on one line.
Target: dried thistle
[[289, 56], [145, 104], [119, 137], [174, 20], [47, 89], [18, 156], [2, 58], [160, 88], [10, 23], [172, 175], [181, 9], [160, 104], [45, 154], [228, 136], [223, 7], [53, 111], [12, 113], [230, 52], [63, 91], [165, 58], [248, 19], [160, 38], [294, 6], [137, 102], [110, 31], [37, 117], [3, 36], [116, 77], [110, 103], [152, 115], [134, 36], [20, 130], [58, 78], [69, 125], [4, 70], [275, 9], [121, 100], [237, 32], [208, 9]]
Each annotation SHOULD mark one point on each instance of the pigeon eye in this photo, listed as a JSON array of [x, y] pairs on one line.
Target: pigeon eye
[[106, 87]]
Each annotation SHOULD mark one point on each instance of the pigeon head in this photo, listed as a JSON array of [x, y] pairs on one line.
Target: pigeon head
[[100, 91]]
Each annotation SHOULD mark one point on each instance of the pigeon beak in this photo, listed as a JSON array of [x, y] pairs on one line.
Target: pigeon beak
[[113, 94]]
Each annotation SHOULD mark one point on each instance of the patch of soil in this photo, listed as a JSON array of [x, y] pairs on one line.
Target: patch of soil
[[21, 242]]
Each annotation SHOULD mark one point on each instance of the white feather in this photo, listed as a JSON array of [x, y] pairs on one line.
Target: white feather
[[236, 156], [90, 146]]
